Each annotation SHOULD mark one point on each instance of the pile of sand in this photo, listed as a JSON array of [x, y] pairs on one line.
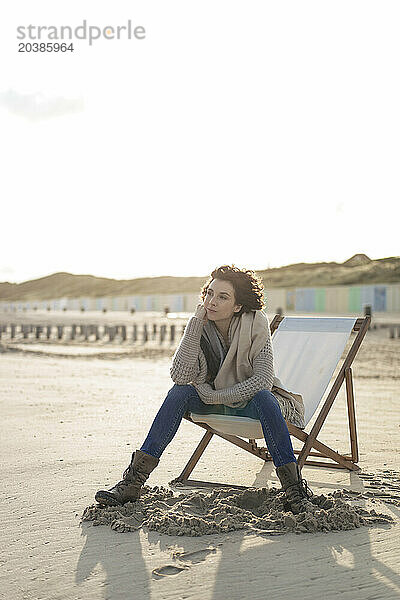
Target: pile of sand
[[228, 509]]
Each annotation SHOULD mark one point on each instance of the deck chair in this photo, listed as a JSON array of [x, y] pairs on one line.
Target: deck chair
[[307, 351]]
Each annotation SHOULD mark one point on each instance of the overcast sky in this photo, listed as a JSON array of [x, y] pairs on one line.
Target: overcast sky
[[256, 133]]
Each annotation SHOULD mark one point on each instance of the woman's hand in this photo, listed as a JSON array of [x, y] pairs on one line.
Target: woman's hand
[[201, 313]]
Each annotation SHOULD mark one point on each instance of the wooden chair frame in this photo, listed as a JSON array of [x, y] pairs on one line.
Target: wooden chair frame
[[312, 447]]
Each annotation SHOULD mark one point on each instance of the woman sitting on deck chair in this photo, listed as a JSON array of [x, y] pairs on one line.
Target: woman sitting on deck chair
[[224, 358]]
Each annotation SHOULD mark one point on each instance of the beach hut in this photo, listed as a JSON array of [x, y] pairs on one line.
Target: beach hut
[[320, 300], [91, 303], [148, 303], [336, 300], [84, 303], [176, 303], [106, 303], [290, 299], [354, 299], [367, 296], [55, 304], [190, 301], [304, 300], [158, 304], [73, 303], [379, 304], [274, 298], [63, 303], [140, 302], [393, 298], [134, 302], [119, 303]]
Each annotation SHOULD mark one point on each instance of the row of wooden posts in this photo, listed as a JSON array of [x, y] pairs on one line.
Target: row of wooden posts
[[134, 333], [146, 332]]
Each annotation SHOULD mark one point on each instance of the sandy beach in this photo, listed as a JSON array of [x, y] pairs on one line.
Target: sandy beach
[[69, 426]]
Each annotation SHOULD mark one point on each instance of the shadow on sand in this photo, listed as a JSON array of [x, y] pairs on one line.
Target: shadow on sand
[[249, 565]]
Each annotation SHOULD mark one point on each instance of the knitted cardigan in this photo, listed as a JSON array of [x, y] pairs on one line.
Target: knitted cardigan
[[189, 366]]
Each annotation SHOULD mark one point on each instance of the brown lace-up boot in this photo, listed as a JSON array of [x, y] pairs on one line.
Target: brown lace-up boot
[[296, 490], [133, 478]]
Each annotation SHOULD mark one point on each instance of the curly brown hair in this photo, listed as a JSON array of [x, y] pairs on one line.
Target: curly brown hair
[[248, 287]]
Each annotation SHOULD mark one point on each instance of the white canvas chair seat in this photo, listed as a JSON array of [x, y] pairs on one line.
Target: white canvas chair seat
[[244, 427], [306, 353]]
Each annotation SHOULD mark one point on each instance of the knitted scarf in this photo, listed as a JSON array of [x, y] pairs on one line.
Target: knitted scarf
[[248, 334]]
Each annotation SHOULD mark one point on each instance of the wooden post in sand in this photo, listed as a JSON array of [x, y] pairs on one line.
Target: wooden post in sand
[[163, 331], [145, 333], [73, 332], [48, 331], [368, 312], [12, 330], [39, 330], [123, 333], [172, 333], [134, 333], [60, 331]]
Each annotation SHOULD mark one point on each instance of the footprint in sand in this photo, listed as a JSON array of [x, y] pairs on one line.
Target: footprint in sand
[[166, 571], [190, 557], [194, 557]]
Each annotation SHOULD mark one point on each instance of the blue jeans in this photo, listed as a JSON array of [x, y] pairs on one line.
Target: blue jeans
[[184, 398]]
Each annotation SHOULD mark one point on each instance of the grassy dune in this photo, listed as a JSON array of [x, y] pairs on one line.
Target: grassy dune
[[357, 270]]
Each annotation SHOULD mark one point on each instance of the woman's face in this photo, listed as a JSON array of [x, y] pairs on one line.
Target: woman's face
[[220, 301]]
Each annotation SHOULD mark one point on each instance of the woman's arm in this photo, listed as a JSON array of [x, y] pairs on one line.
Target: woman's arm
[[185, 363], [240, 393]]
